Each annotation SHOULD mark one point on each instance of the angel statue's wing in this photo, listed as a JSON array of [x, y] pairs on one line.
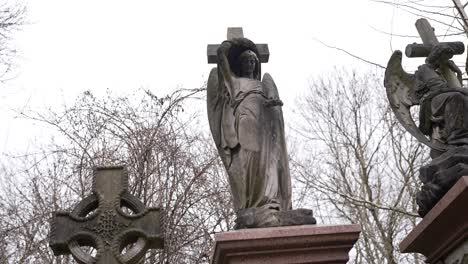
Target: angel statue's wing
[[215, 102], [220, 116], [271, 92], [400, 92], [269, 87]]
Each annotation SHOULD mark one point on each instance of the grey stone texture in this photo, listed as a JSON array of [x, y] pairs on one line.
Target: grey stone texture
[[441, 236], [246, 121], [443, 116], [440, 175], [108, 220]]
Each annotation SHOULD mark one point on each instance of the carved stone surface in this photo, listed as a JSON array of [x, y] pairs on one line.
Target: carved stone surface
[[247, 125], [423, 50], [459, 255], [100, 222], [440, 175], [443, 116], [463, 260]]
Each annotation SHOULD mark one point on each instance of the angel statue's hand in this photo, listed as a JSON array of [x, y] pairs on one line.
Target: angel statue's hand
[[223, 49], [243, 42]]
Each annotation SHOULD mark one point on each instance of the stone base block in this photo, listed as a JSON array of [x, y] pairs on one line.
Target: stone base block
[[442, 235], [281, 245]]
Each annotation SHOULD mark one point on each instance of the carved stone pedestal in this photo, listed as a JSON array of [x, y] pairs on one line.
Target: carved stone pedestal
[[442, 235], [280, 245]]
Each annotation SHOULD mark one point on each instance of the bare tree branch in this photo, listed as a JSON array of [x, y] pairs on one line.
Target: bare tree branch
[[350, 54]]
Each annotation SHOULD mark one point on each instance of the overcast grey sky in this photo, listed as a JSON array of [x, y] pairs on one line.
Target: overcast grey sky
[[72, 46]]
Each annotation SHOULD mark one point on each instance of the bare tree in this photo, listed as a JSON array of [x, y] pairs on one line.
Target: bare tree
[[171, 164], [360, 163], [12, 18], [447, 17], [444, 14]]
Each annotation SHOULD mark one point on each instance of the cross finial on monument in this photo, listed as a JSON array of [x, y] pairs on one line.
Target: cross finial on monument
[[237, 32], [234, 32], [429, 39], [99, 222]]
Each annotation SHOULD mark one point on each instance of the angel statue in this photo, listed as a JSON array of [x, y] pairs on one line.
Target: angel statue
[[443, 117], [247, 125]]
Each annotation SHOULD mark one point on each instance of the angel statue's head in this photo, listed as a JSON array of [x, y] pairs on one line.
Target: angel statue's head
[[248, 62]]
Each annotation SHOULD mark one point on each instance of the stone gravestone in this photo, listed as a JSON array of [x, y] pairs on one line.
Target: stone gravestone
[[109, 221], [443, 126], [246, 122]]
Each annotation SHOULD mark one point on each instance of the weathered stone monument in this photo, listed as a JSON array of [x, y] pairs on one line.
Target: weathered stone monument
[[246, 121], [443, 126], [100, 222]]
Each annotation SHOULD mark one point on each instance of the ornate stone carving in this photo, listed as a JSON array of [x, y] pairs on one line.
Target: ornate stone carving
[[98, 221], [108, 224], [443, 117], [247, 125]]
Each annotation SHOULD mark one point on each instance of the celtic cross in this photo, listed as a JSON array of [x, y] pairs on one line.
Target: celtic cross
[[101, 222]]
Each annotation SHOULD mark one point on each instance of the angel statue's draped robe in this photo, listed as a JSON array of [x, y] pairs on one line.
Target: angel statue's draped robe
[[246, 121], [444, 110]]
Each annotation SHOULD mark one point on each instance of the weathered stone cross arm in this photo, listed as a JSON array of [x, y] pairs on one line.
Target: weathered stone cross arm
[[236, 32], [429, 39], [99, 222]]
